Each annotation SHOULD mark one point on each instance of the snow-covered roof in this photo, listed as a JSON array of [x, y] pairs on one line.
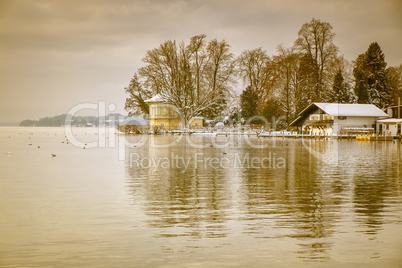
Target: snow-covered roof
[[341, 109], [156, 98], [390, 120]]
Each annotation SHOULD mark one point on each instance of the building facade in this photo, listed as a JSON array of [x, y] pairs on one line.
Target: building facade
[[163, 116], [338, 119], [389, 127]]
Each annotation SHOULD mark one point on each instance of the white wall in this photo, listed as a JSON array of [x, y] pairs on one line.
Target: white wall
[[391, 131], [350, 121], [353, 121]]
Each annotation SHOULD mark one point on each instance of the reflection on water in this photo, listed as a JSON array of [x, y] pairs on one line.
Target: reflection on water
[[190, 201], [308, 200]]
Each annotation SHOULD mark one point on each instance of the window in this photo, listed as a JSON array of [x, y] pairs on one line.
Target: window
[[327, 117], [162, 110], [342, 117], [398, 132], [153, 110], [387, 127]]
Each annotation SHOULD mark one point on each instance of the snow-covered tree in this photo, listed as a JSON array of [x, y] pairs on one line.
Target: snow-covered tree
[[341, 92], [196, 78], [248, 102], [371, 77]]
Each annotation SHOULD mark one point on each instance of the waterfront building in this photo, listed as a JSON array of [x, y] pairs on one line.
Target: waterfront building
[[338, 118], [163, 116]]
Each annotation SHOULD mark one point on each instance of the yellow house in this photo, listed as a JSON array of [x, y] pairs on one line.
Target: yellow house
[[165, 116], [162, 115], [197, 122]]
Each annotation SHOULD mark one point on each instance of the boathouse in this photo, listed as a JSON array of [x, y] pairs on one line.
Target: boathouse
[[338, 119]]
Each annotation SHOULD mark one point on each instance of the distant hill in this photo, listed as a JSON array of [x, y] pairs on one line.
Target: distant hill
[[9, 124], [77, 121]]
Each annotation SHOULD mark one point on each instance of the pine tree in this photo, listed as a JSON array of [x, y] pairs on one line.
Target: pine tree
[[395, 82], [371, 77], [361, 85], [377, 76], [340, 90], [248, 102]]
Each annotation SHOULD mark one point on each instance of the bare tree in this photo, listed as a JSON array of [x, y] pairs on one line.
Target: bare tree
[[135, 103], [199, 61], [219, 75], [288, 89], [316, 42], [196, 79], [257, 71]]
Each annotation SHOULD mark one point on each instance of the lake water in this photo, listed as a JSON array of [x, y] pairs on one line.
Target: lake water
[[197, 201]]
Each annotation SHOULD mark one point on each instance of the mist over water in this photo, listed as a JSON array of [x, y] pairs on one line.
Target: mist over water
[[201, 201]]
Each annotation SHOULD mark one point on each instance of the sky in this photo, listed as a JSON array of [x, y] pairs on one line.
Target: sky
[[58, 55]]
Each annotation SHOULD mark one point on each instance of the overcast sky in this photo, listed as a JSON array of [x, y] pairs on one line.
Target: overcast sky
[[57, 54]]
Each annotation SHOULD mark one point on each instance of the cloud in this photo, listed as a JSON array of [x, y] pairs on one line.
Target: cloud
[[61, 52]]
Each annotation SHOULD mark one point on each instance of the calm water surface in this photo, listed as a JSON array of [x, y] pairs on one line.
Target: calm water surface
[[197, 201]]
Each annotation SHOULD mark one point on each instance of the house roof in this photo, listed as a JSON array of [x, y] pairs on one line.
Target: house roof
[[156, 98], [390, 120], [341, 109]]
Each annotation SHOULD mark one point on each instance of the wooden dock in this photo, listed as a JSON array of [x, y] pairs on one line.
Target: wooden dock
[[288, 134], [294, 135]]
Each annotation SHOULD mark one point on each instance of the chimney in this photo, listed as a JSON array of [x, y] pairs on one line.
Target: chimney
[[389, 112]]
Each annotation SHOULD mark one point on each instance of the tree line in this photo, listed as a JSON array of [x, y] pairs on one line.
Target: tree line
[[76, 121], [200, 78]]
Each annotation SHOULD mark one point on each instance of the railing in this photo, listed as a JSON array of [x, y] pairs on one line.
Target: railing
[[357, 130], [318, 122]]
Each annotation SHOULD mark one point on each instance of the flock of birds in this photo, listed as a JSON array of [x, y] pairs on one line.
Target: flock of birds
[[30, 144], [67, 142]]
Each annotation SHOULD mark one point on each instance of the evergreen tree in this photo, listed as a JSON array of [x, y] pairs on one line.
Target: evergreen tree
[[395, 82], [361, 84], [305, 80], [341, 93], [377, 78], [337, 86], [274, 115], [371, 77], [248, 102]]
